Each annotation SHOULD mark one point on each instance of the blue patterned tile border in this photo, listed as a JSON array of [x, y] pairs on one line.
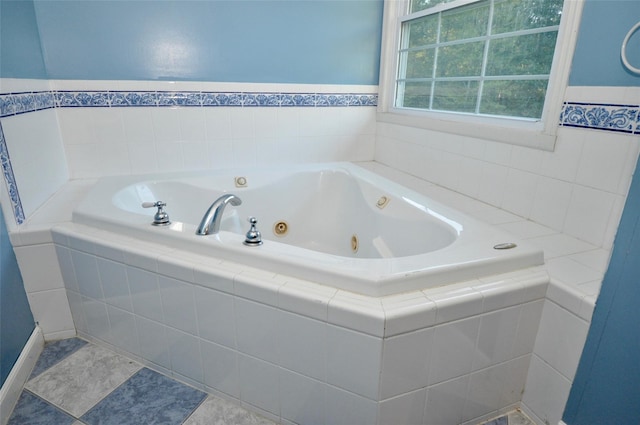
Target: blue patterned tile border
[[66, 99], [10, 180], [19, 103], [607, 117]]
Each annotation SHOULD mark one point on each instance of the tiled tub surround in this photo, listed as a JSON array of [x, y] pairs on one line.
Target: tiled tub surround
[[301, 352], [575, 268]]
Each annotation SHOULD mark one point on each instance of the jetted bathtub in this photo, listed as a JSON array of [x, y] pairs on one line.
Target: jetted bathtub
[[336, 224]]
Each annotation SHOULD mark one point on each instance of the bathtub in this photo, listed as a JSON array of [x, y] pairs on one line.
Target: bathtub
[[336, 224]]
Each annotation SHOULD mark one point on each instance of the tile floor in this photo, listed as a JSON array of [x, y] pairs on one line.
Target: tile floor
[[78, 383]]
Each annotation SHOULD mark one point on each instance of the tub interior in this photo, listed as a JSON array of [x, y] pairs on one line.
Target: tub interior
[[327, 211], [334, 224]]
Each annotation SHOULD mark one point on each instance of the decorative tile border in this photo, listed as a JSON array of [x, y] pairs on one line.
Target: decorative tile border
[[19, 103], [10, 180], [608, 117]]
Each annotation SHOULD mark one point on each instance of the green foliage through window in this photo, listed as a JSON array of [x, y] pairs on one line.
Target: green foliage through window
[[490, 57]]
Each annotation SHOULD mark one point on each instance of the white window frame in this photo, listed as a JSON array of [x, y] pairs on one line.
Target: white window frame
[[539, 134]]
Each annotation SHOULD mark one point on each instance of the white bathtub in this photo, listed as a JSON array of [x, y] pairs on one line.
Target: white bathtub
[[337, 233]]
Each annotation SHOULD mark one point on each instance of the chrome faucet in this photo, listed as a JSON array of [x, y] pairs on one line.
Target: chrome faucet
[[210, 223]]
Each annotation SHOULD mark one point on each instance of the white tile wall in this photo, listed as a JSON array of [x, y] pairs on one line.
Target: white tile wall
[[445, 401], [108, 141], [560, 339], [576, 189], [303, 400], [545, 394], [220, 368], [37, 157], [456, 342], [401, 372]]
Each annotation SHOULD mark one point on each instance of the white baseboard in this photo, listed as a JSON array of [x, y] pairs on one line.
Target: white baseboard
[[10, 391]]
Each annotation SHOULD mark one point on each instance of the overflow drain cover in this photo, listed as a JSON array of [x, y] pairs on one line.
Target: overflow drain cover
[[506, 245]]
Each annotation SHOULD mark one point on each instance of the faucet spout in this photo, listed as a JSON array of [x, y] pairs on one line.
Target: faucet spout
[[210, 223]]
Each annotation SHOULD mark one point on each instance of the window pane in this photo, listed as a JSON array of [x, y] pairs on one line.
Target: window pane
[[417, 5], [420, 63], [459, 96], [422, 31], [417, 95], [516, 15], [524, 98], [464, 22], [460, 60], [522, 55]]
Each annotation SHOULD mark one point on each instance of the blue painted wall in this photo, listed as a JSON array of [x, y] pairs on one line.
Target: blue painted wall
[[20, 51], [279, 41], [16, 321], [299, 41], [606, 387], [604, 25]]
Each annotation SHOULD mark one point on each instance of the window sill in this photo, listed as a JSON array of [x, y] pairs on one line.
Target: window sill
[[529, 134]]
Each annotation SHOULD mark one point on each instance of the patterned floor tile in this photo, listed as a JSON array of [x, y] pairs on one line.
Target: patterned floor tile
[[32, 410], [216, 411], [516, 417], [78, 382], [55, 352], [146, 398], [503, 420]]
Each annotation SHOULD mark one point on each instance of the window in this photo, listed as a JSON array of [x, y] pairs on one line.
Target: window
[[479, 63]]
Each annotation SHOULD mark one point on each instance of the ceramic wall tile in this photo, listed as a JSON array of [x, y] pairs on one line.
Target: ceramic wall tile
[[259, 384], [220, 368], [39, 267], [145, 294], [153, 342], [257, 329], [406, 409], [303, 400], [546, 392], [560, 339], [51, 310], [346, 407], [405, 363], [115, 286], [354, 361], [496, 335], [178, 304], [123, 331], [185, 356], [445, 401], [215, 316], [302, 345], [454, 346]]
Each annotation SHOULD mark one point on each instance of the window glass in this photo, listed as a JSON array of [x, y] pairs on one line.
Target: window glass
[[517, 15], [490, 57]]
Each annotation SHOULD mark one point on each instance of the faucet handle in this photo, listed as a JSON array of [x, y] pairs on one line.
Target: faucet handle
[[253, 237], [161, 218]]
